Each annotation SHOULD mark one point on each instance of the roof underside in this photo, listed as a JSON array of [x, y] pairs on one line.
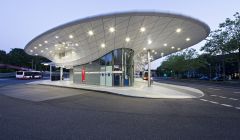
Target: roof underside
[[71, 44]]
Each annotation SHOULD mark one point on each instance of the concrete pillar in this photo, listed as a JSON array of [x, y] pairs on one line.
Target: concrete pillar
[[50, 69], [149, 68], [61, 73]]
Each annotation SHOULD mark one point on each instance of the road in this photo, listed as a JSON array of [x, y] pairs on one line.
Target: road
[[95, 115]]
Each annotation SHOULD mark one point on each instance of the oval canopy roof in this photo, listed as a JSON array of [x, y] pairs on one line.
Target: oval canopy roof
[[86, 40]]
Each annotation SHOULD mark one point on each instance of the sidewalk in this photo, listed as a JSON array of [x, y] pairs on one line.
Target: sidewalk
[[140, 89]]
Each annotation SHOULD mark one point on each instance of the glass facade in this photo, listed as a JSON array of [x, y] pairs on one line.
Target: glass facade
[[113, 69]]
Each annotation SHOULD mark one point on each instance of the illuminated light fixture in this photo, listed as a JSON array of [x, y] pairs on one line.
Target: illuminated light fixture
[[35, 47], [56, 45], [142, 29], [45, 41], [144, 49], [63, 43], [73, 52], [70, 36], [155, 52], [90, 32], [178, 30], [111, 29], [41, 51], [36, 54], [46, 48], [165, 44], [76, 44], [103, 45], [31, 50], [127, 39], [66, 47], [162, 54], [188, 39], [178, 48], [39, 45], [59, 48], [56, 36], [50, 51], [172, 47], [149, 41]]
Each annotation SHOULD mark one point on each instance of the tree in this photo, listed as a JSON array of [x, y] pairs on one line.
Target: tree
[[3, 57], [225, 40]]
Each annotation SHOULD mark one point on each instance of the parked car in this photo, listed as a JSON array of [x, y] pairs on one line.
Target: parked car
[[218, 78], [204, 78]]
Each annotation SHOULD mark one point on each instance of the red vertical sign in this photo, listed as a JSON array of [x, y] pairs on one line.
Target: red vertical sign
[[83, 74]]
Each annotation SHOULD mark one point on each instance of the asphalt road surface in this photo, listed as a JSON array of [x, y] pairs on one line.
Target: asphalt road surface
[[95, 115]]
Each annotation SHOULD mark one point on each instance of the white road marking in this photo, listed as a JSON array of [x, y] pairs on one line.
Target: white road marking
[[213, 102], [227, 105], [222, 97], [237, 107], [204, 100], [233, 99], [214, 88], [213, 95]]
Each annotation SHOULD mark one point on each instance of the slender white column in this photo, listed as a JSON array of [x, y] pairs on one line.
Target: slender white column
[[50, 69], [149, 68]]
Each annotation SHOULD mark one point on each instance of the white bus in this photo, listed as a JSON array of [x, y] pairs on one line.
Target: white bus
[[28, 75]]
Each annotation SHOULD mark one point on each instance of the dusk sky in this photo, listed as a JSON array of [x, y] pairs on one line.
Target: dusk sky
[[22, 20]]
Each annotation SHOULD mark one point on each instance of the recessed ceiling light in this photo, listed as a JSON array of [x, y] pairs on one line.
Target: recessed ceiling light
[[46, 48], [56, 45], [35, 47], [66, 47], [39, 45], [149, 41], [46, 41], [178, 48], [103, 45], [70, 36], [90, 32], [111, 29], [153, 51], [36, 54], [144, 49], [41, 51], [165, 44], [162, 54], [142, 29], [172, 47], [76, 44], [50, 51], [188, 39], [59, 48], [31, 50], [73, 52], [178, 30], [127, 39], [56, 36]]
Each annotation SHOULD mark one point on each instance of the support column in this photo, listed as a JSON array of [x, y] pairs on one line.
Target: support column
[[61, 73], [149, 69], [50, 69]]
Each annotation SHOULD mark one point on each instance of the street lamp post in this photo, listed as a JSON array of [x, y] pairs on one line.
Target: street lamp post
[[149, 70]]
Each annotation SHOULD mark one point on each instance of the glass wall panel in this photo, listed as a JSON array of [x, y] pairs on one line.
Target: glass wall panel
[[112, 69]]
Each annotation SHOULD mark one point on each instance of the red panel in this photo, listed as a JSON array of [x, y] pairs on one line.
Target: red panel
[[83, 74]]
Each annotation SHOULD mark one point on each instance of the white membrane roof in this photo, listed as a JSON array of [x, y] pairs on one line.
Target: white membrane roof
[[86, 40]]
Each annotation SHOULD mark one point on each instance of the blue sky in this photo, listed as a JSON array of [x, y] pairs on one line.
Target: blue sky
[[22, 20]]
